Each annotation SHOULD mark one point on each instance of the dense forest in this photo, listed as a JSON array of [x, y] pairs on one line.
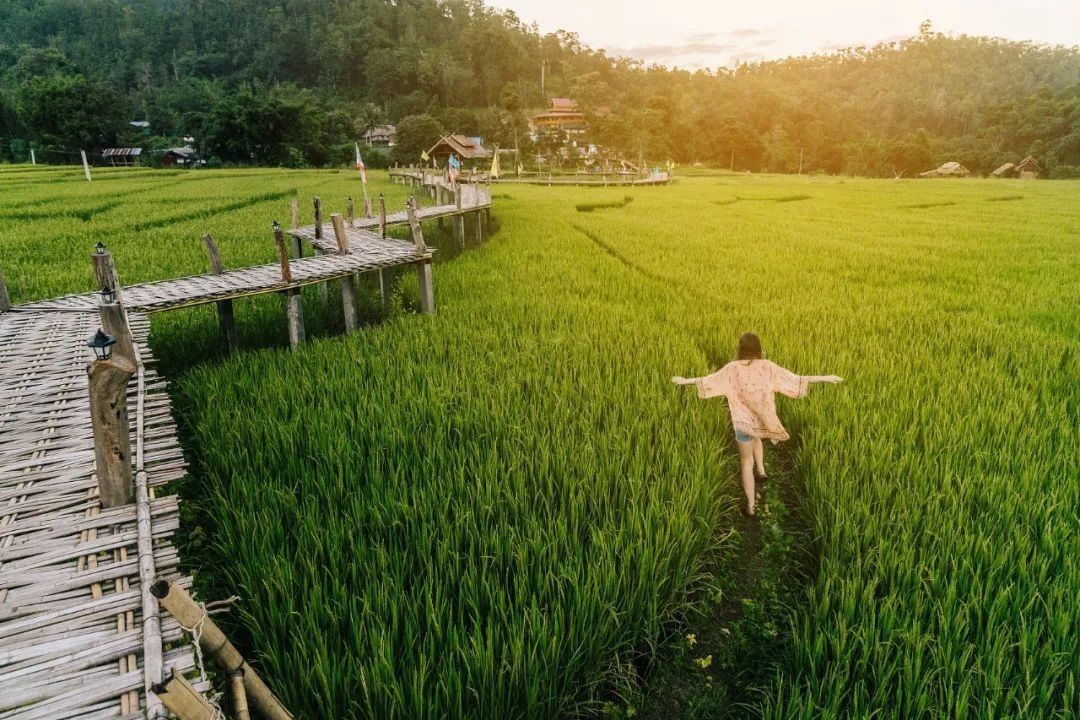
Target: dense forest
[[295, 82]]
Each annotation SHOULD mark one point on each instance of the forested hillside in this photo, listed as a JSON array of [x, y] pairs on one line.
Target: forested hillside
[[296, 81]]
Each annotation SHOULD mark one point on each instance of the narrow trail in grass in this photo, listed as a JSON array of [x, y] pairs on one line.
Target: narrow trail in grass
[[727, 657]]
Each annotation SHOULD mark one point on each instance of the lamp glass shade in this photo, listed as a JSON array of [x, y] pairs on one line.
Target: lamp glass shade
[[101, 344]]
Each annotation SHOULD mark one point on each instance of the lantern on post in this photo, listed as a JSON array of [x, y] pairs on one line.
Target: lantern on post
[[100, 248], [101, 344], [108, 296]]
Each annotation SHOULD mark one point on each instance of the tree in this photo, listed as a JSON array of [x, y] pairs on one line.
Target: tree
[[415, 134]]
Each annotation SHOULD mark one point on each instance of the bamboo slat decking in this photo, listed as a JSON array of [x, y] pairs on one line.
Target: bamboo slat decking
[[80, 633]]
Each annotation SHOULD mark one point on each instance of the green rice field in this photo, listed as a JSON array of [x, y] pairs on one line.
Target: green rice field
[[508, 510]]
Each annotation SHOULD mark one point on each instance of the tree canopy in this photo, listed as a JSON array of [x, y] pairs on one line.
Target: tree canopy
[[298, 81]]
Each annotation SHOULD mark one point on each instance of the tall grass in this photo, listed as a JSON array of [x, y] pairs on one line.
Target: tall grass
[[498, 512]]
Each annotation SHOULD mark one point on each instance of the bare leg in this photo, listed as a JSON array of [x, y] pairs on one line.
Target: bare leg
[[746, 462], [759, 456]]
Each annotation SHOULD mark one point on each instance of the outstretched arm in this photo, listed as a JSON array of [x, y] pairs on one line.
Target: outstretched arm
[[685, 381], [824, 379]]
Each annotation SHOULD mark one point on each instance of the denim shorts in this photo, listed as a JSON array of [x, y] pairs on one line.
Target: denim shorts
[[740, 437]]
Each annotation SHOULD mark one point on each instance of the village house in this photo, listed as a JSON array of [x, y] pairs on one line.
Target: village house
[[562, 114], [383, 135]]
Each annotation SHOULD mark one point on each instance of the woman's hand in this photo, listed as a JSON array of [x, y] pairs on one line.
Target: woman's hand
[[832, 379], [683, 381]]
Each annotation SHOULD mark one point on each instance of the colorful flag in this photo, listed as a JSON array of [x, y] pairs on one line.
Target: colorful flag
[[424, 157], [360, 166], [495, 165]]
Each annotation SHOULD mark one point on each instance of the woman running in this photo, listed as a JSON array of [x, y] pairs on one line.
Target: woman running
[[749, 383]]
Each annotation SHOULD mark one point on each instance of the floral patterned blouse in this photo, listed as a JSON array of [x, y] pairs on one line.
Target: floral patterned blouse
[[750, 387]]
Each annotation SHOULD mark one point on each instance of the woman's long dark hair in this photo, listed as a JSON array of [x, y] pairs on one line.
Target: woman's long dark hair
[[749, 347]]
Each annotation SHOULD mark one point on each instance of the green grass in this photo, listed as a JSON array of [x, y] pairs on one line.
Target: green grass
[[507, 511]]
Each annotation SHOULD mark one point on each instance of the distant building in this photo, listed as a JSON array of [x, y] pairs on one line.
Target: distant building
[[949, 169], [178, 156], [1028, 169], [562, 114], [465, 148], [385, 135], [141, 125], [122, 156]]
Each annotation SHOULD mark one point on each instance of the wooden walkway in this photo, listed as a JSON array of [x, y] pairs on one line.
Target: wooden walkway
[[582, 180], [81, 635]]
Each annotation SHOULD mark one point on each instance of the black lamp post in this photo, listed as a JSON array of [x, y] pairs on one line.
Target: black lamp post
[[100, 247], [108, 295], [276, 226], [101, 344]]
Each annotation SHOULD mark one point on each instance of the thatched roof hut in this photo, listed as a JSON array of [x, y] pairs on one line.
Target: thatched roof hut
[[1006, 170], [466, 148], [949, 169], [1028, 169]]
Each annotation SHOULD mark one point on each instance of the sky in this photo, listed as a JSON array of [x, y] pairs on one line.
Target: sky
[[696, 34]]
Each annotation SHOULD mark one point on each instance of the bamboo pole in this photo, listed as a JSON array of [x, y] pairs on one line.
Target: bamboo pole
[[226, 321], [214, 643], [348, 283], [108, 381], [85, 165], [382, 216], [183, 700], [239, 695], [350, 216]]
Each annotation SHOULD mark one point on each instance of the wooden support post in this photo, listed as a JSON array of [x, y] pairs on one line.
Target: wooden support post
[[182, 700], [283, 254], [214, 643], [108, 380], [384, 285], [105, 272], [5, 300], [350, 217], [479, 227], [348, 283], [317, 202], [239, 695], [382, 215], [114, 322], [425, 283], [294, 213], [224, 307], [294, 312], [414, 226], [85, 165]]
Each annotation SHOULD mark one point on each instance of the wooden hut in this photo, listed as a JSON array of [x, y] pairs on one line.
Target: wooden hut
[[949, 169], [1028, 169], [1006, 170], [122, 156], [465, 148]]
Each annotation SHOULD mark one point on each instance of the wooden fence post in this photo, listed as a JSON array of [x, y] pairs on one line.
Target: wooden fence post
[[294, 213], [382, 216], [5, 301], [105, 270], [224, 307], [350, 217], [317, 202], [459, 219], [423, 267], [294, 312], [214, 643], [108, 380], [85, 165], [348, 284], [114, 322]]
